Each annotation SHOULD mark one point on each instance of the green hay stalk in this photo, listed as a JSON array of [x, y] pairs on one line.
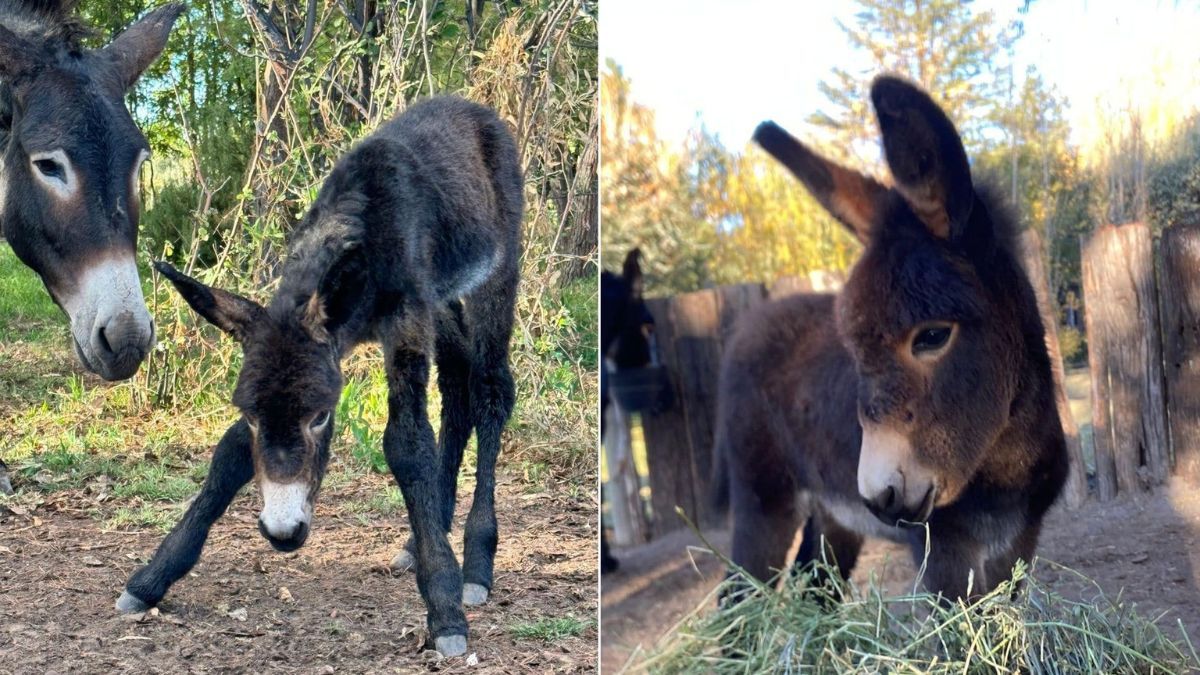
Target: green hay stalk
[[1020, 627]]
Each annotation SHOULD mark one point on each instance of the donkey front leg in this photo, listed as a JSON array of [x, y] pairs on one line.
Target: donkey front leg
[[409, 448], [232, 467], [5, 483], [954, 565]]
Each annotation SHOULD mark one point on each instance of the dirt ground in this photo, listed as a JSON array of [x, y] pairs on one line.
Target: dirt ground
[[343, 610], [1146, 549]]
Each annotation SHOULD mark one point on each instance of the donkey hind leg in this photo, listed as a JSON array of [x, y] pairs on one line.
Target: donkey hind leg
[[493, 395], [5, 484], [765, 519], [232, 467], [841, 549], [453, 362], [408, 445]]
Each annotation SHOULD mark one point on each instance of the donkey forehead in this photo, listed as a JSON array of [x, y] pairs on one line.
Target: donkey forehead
[[285, 374], [68, 108], [902, 280]]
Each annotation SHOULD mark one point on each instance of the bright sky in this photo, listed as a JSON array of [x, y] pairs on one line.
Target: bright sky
[[733, 64]]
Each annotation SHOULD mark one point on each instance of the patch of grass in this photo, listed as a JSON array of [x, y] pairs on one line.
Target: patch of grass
[[847, 629], [26, 311], [156, 482], [550, 629], [155, 516], [361, 414], [387, 503]]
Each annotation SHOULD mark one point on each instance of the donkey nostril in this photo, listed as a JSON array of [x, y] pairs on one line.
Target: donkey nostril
[[889, 498], [102, 339]]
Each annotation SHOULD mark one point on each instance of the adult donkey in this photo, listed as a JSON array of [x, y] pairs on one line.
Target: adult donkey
[[920, 394], [69, 160], [413, 242]]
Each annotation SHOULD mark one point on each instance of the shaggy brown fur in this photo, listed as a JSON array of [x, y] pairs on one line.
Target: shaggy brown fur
[[921, 394]]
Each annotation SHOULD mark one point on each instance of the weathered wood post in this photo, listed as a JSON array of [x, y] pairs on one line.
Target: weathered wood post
[[690, 330], [1125, 355], [1035, 266], [624, 500], [665, 434], [1180, 296]]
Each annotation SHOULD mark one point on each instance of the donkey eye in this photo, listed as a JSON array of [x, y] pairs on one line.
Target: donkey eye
[[50, 169], [319, 421], [931, 339]]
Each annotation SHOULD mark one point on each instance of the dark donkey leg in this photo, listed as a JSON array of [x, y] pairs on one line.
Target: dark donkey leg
[[493, 396], [765, 518], [409, 448], [1000, 568], [232, 467], [5, 483], [454, 370], [841, 547]]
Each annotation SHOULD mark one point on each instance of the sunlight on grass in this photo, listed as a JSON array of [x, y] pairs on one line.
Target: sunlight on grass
[[845, 628], [550, 630]]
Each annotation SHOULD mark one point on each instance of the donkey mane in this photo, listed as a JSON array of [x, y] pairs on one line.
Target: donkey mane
[[50, 22]]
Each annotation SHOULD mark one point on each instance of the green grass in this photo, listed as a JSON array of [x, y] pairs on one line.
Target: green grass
[[26, 310], [550, 629], [850, 629]]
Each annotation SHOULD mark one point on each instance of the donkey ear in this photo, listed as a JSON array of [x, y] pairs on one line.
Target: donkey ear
[[134, 50], [847, 195], [18, 56], [631, 272], [230, 312], [336, 302], [925, 154]]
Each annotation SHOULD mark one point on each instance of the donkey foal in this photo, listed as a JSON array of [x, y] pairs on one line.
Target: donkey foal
[[413, 242], [920, 394]]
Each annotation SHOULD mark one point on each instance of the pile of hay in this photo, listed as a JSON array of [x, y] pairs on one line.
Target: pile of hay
[[795, 627]]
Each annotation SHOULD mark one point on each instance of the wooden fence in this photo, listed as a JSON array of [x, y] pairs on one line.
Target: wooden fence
[[1146, 410]]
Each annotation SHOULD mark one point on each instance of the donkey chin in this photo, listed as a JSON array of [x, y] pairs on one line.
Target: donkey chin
[[893, 484], [110, 327], [286, 513]]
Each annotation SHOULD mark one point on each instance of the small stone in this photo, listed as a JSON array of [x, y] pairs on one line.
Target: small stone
[[285, 595], [153, 612], [240, 614], [325, 670], [92, 561], [473, 659]]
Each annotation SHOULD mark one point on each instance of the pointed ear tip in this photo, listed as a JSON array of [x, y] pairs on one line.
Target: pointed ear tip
[[766, 129]]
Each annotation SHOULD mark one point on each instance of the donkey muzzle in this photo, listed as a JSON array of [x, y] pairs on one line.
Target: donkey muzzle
[[894, 486], [111, 328], [286, 514]]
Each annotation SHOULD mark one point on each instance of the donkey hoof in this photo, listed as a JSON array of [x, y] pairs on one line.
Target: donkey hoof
[[130, 604], [403, 562], [451, 645], [474, 594]]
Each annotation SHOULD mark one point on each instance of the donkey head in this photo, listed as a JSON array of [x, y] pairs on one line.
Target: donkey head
[[626, 323], [291, 375], [935, 341], [69, 160]]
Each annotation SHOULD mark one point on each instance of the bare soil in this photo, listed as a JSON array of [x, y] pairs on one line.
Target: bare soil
[[1143, 550], [342, 611]]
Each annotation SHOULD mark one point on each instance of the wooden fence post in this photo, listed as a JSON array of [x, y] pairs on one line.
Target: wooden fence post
[[624, 499], [665, 433], [1035, 267], [1125, 357], [1180, 295], [690, 331]]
